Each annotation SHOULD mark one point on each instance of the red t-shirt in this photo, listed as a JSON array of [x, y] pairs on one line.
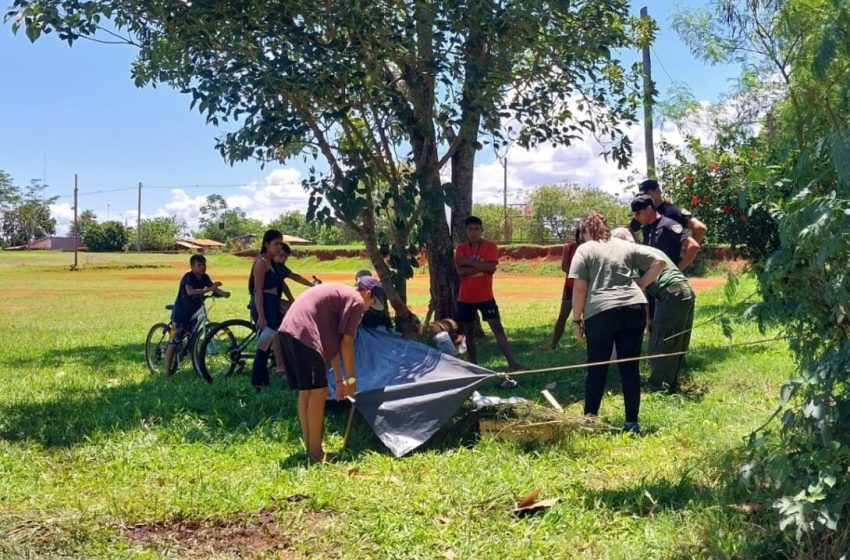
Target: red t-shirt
[[570, 247], [478, 288]]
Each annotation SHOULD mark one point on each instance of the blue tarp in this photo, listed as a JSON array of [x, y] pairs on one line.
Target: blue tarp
[[407, 390]]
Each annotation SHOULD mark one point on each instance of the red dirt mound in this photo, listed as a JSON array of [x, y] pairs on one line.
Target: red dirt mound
[[267, 532]]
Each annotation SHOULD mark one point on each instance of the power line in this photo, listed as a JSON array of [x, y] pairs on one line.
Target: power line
[[660, 63], [233, 186]]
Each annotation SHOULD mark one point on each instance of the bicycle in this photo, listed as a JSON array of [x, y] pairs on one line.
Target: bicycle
[[160, 333], [229, 348]]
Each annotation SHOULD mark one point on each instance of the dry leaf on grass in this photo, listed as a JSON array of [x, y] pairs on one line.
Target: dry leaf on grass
[[529, 499]]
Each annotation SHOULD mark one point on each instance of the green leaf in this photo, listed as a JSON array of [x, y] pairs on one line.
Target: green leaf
[[33, 32]]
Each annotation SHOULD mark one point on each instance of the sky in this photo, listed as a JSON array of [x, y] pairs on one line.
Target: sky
[[74, 110]]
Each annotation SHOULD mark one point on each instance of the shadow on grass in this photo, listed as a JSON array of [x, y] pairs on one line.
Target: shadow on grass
[[183, 408], [648, 498], [100, 358], [188, 410]]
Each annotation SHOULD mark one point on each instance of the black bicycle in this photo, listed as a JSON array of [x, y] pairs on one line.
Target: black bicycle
[[190, 344], [229, 347]]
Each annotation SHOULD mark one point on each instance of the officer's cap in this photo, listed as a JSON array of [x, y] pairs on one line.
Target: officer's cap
[[641, 201]]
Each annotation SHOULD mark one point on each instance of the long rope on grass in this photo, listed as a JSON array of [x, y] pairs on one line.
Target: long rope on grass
[[646, 357], [710, 320]]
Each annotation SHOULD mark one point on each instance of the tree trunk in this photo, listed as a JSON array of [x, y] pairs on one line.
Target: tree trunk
[[475, 72], [441, 266], [463, 163], [406, 321]]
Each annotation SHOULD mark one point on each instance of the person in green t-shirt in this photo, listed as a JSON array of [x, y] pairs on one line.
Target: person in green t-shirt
[[608, 310], [670, 330]]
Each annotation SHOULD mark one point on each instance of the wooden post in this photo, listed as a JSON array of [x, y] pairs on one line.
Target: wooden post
[[76, 224], [648, 88], [505, 199], [139, 221]]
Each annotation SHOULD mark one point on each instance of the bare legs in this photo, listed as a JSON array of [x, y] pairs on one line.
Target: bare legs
[[169, 359], [311, 415], [501, 340]]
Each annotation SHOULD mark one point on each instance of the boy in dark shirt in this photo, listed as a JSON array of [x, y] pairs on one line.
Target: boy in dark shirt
[[193, 286]]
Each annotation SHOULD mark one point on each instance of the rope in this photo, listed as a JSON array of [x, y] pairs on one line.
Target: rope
[[707, 321], [638, 358]]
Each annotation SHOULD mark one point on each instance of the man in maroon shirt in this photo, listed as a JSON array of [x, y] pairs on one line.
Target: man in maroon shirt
[[476, 262], [318, 331]]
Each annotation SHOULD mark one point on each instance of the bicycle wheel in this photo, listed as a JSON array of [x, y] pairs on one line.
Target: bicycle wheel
[[197, 343], [228, 349], [155, 344]]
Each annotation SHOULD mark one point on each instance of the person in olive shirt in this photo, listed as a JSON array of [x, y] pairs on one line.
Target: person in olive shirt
[[671, 325]]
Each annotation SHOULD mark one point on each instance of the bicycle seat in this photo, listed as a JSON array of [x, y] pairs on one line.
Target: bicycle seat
[[170, 306]]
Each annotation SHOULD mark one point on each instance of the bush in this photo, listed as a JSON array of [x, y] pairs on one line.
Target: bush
[[160, 234], [725, 185], [106, 237]]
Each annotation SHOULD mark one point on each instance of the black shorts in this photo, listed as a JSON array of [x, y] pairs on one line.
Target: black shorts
[[305, 368], [466, 311], [178, 333]]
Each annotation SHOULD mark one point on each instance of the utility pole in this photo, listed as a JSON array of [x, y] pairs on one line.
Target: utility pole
[[139, 221], [76, 234], [505, 198], [648, 88]]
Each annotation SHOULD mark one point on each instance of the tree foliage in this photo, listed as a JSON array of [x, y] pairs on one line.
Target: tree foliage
[[804, 283], [295, 223], [85, 220], [161, 233], [559, 207], [493, 216], [725, 184], [109, 236], [24, 212], [386, 93]]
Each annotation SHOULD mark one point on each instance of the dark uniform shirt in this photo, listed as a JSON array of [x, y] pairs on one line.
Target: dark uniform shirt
[[667, 236], [185, 305], [668, 210]]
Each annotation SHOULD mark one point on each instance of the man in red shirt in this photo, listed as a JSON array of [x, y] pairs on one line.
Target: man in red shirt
[[476, 262]]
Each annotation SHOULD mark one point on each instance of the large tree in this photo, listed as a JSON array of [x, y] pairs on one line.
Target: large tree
[[220, 223], [559, 207], [24, 212], [387, 93], [803, 179]]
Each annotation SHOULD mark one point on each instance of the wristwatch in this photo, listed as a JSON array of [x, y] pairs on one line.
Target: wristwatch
[[350, 381]]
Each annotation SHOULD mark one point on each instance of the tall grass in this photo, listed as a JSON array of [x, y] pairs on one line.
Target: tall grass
[[92, 445]]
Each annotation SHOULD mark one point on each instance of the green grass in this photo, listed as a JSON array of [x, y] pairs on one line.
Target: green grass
[[91, 445]]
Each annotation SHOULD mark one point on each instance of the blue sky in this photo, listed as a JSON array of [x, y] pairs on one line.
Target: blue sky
[[75, 110]]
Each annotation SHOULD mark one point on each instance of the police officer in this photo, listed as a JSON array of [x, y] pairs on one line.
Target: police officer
[[663, 233], [669, 210]]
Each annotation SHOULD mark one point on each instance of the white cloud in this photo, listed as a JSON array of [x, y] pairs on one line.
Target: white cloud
[[580, 163], [265, 200], [185, 207], [279, 193], [64, 215]]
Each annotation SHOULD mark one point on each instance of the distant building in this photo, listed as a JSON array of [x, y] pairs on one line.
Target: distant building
[[52, 243], [292, 240], [200, 245]]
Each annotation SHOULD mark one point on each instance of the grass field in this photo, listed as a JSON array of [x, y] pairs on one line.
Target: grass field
[[98, 459]]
